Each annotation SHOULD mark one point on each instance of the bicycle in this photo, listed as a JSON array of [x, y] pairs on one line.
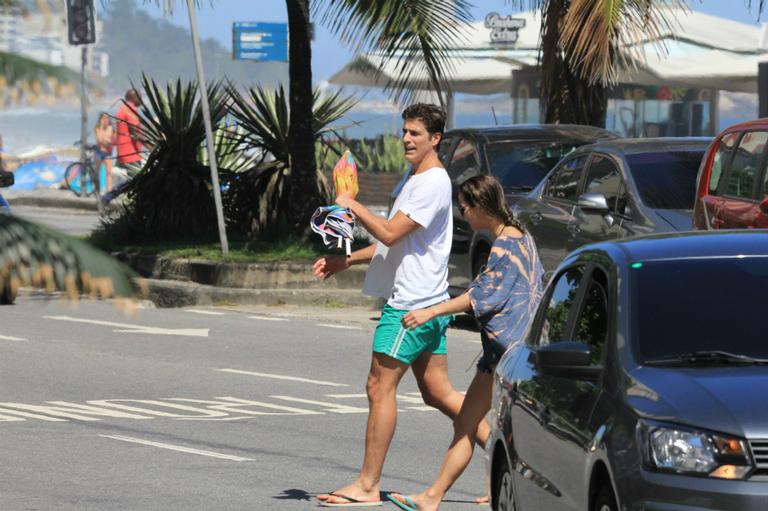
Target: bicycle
[[92, 177]]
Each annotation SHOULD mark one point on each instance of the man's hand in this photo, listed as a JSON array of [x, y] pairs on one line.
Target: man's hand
[[329, 265], [344, 200], [417, 318]]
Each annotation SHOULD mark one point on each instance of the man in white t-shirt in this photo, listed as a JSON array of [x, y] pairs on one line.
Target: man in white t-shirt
[[408, 267]]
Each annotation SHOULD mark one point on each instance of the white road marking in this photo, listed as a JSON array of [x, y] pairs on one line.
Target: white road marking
[[137, 329], [328, 407], [11, 338], [208, 313], [267, 318], [412, 398], [341, 327], [283, 377], [179, 448]]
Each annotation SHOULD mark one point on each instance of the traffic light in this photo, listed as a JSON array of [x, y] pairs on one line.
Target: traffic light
[[81, 24]]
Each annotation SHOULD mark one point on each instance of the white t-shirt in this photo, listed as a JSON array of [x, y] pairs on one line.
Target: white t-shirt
[[413, 272]]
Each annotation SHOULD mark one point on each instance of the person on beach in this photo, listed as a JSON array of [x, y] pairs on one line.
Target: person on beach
[[128, 142], [503, 298], [408, 267], [104, 134]]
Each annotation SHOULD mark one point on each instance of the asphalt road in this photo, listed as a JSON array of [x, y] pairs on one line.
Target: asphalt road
[[74, 222], [201, 409]]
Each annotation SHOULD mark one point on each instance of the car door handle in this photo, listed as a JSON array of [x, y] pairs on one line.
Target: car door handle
[[536, 217], [573, 229]]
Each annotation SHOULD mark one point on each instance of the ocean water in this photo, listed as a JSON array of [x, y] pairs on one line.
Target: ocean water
[[23, 129]]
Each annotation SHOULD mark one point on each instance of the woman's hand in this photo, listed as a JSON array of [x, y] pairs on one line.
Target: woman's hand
[[417, 318]]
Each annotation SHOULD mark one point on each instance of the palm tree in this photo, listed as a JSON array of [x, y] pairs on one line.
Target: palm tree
[[584, 45]]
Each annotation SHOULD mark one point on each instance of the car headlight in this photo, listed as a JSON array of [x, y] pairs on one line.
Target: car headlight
[[687, 451]]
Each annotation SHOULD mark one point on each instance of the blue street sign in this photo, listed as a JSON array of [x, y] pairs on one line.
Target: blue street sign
[[253, 40]]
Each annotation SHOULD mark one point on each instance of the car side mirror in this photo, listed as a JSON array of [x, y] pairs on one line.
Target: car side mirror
[[594, 202], [568, 359], [6, 179], [764, 206]]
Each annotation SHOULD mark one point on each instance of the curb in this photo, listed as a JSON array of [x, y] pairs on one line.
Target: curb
[[169, 293], [183, 283], [50, 199]]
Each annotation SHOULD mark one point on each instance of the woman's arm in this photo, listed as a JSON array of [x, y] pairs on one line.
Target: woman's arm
[[419, 317]]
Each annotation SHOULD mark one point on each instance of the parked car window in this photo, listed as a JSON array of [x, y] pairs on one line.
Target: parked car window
[[592, 324], [521, 165], [724, 150], [443, 151], [464, 162], [564, 183], [553, 328], [667, 179], [745, 166], [696, 313], [604, 177]]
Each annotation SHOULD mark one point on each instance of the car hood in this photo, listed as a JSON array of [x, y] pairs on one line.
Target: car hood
[[677, 219], [727, 399]]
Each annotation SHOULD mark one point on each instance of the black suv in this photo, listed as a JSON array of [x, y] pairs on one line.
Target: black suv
[[519, 156]]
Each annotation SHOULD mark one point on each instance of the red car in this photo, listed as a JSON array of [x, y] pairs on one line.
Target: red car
[[732, 185]]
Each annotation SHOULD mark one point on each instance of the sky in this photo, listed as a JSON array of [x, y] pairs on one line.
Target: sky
[[215, 19]]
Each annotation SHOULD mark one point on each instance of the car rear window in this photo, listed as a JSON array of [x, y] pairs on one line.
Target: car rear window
[[666, 180], [714, 304], [523, 164]]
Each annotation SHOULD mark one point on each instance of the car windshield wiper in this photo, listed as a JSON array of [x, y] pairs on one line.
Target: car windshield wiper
[[523, 188], [706, 357]]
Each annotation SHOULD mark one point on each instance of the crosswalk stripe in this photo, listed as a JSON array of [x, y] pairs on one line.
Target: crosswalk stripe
[[179, 448], [283, 377]]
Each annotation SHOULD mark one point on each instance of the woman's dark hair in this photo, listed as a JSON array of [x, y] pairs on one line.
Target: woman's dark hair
[[485, 192]]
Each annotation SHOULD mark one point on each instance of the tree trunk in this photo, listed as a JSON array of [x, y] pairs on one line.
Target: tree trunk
[[566, 98], [303, 187]]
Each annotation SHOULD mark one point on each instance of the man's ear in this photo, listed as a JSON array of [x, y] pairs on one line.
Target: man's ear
[[435, 138]]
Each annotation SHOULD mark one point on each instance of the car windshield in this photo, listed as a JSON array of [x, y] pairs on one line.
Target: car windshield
[[666, 180], [699, 309], [523, 164]]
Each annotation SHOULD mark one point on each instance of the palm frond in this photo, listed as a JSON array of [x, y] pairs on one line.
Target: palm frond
[[416, 34], [263, 114], [33, 255], [601, 37]]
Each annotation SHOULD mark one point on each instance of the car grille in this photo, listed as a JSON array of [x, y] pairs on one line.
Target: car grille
[[760, 453]]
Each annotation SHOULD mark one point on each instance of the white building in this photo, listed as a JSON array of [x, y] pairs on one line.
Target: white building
[[38, 30], [673, 93]]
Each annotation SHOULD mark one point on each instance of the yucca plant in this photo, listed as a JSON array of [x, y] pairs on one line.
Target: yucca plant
[[172, 196], [259, 200]]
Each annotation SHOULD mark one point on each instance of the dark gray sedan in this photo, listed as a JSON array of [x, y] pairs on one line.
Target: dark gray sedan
[[613, 189], [519, 156], [641, 383]]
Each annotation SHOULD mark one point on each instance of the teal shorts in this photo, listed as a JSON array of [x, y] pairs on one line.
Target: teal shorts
[[405, 345]]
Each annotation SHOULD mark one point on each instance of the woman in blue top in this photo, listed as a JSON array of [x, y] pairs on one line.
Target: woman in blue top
[[503, 299]]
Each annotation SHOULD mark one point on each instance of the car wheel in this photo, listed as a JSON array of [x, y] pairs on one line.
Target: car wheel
[[605, 501], [7, 296], [481, 259], [503, 491]]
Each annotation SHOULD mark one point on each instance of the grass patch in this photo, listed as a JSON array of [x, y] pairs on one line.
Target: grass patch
[[239, 251]]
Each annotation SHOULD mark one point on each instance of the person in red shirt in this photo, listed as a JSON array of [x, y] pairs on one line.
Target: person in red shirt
[[127, 141], [128, 124]]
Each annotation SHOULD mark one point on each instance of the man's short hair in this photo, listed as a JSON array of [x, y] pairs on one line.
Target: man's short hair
[[432, 116], [133, 96]]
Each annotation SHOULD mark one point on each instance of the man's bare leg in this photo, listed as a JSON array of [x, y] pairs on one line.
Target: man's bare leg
[[383, 378]]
